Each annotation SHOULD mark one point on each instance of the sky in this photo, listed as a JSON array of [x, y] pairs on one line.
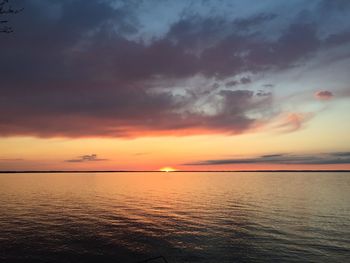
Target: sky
[[193, 85]]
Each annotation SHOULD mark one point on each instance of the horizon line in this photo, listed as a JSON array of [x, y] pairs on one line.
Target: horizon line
[[177, 171]]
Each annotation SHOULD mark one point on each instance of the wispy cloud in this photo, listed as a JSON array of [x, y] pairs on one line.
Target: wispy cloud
[[11, 159], [322, 158], [293, 121], [86, 158], [141, 154]]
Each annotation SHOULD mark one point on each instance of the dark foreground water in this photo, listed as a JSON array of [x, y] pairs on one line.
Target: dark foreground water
[[186, 217]]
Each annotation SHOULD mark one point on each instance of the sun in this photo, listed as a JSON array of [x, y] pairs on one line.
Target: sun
[[167, 169]]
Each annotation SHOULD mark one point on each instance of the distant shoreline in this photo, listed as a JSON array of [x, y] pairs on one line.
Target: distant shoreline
[[187, 171]]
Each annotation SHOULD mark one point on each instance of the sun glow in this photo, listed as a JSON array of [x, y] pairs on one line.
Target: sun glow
[[167, 169]]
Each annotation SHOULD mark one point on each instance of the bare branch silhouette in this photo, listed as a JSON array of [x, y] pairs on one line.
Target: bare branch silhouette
[[5, 10]]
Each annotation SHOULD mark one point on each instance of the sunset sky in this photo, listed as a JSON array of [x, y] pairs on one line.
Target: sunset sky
[[193, 85]]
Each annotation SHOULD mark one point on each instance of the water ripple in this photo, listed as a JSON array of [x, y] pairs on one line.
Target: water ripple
[[199, 217]]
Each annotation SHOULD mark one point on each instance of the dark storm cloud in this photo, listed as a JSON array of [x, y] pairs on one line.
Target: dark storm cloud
[[86, 158], [297, 43], [78, 68], [329, 158]]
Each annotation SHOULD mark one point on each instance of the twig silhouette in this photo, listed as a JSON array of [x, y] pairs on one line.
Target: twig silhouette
[[154, 258], [6, 9]]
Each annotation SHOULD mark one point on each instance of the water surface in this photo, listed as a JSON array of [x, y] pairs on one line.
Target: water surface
[[186, 217]]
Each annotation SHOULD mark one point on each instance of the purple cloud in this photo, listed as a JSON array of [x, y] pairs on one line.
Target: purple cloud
[[86, 158], [324, 95], [82, 69], [321, 158]]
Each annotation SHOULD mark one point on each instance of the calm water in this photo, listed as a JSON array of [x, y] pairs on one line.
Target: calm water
[[186, 217]]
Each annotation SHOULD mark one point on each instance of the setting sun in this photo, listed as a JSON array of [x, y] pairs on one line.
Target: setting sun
[[167, 169], [174, 131]]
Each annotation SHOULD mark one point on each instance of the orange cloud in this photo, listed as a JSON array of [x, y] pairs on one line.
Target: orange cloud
[[293, 121]]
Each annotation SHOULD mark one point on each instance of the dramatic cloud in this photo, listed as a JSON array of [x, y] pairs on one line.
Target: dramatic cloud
[[329, 158], [324, 95], [86, 158], [77, 68]]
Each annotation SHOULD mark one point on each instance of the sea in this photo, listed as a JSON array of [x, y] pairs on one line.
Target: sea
[[182, 216]]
